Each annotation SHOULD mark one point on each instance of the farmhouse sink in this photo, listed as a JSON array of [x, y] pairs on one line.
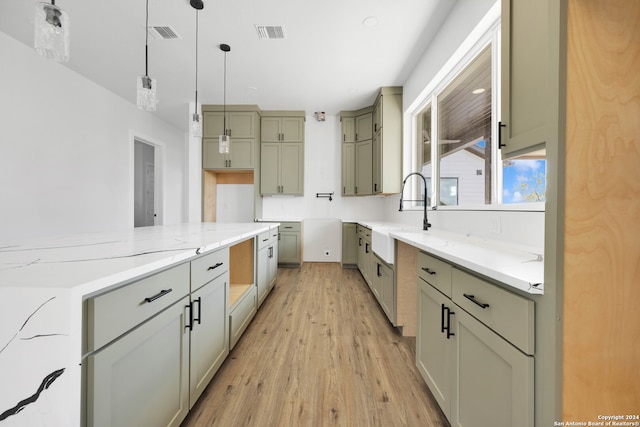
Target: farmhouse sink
[[383, 244]]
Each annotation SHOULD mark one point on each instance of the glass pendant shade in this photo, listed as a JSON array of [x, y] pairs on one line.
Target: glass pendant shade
[[225, 144], [146, 93], [195, 127], [51, 36]]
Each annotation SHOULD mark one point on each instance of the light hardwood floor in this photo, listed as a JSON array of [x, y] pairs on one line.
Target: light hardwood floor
[[319, 352]]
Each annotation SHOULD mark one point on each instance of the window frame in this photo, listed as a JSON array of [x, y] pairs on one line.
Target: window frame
[[487, 33]]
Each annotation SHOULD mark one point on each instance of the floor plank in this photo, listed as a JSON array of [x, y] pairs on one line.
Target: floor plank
[[320, 352]]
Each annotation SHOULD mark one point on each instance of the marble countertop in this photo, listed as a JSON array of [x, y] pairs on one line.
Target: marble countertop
[[514, 265], [89, 262]]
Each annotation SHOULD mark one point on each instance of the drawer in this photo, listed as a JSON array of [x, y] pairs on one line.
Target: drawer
[[241, 315], [435, 272], [115, 312], [273, 235], [263, 239], [290, 226], [510, 315], [208, 267]]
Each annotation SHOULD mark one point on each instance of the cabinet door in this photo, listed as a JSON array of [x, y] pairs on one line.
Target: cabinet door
[[525, 74], [289, 248], [291, 169], [209, 335], [360, 256], [269, 168], [211, 156], [376, 168], [348, 169], [377, 115], [292, 129], [263, 273], [348, 129], [364, 173], [363, 127], [270, 129], [435, 357], [241, 154], [349, 244], [273, 263], [242, 124], [388, 292], [212, 124], [494, 379], [143, 377]]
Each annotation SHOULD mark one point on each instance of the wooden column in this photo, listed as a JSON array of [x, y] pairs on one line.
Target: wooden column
[[406, 287], [601, 329]]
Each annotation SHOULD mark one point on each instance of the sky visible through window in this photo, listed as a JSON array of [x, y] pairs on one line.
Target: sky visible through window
[[524, 181]]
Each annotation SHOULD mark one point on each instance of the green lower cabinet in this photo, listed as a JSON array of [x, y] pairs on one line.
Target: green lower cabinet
[[143, 377], [478, 378], [290, 244], [349, 245]]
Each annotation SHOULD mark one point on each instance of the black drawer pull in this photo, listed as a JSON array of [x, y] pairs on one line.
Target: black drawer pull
[[289, 226], [475, 301], [213, 267], [161, 294], [426, 270]]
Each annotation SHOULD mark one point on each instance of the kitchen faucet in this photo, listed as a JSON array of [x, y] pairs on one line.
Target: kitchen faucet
[[425, 222]]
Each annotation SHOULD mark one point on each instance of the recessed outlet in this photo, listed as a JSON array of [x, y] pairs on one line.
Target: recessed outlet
[[494, 225], [327, 253]]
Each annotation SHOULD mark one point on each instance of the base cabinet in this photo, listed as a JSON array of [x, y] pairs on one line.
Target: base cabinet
[[477, 377], [267, 263], [290, 244], [143, 377], [349, 245], [209, 338]]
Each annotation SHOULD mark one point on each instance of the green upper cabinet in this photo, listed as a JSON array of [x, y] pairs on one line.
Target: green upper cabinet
[[282, 153], [364, 129], [238, 124], [374, 164], [348, 129], [526, 81], [282, 129], [387, 141], [242, 124]]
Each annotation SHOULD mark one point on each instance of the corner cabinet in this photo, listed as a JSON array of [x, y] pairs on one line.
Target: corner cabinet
[[472, 334], [526, 89], [372, 146], [282, 153]]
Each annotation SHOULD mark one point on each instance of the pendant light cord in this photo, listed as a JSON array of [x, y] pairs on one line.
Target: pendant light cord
[[224, 95], [196, 107], [146, 42]]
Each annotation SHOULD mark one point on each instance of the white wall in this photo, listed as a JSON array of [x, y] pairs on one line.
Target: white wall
[[66, 151]]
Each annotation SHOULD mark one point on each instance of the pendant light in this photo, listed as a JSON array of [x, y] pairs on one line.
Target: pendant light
[[51, 32], [147, 98], [195, 126], [225, 140]]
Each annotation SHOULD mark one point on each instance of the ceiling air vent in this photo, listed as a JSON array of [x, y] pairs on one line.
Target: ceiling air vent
[[163, 33], [269, 32]]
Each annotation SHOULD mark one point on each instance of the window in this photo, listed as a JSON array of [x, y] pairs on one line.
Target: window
[[456, 148]]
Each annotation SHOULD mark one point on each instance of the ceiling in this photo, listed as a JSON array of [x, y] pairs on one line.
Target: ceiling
[[328, 61]]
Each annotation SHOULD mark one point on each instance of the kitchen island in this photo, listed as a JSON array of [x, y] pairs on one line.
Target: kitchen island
[[44, 286]]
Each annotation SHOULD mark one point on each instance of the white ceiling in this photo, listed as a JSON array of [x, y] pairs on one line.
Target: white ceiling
[[329, 61]]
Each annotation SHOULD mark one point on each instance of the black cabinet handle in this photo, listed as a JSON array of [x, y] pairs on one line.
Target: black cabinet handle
[[378, 268], [264, 240], [359, 241], [448, 327], [162, 293], [190, 324], [199, 301], [442, 318], [426, 270], [213, 267], [500, 126], [366, 247], [288, 226], [475, 301]]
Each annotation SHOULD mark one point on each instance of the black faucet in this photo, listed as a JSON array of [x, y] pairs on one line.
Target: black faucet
[[425, 222]]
